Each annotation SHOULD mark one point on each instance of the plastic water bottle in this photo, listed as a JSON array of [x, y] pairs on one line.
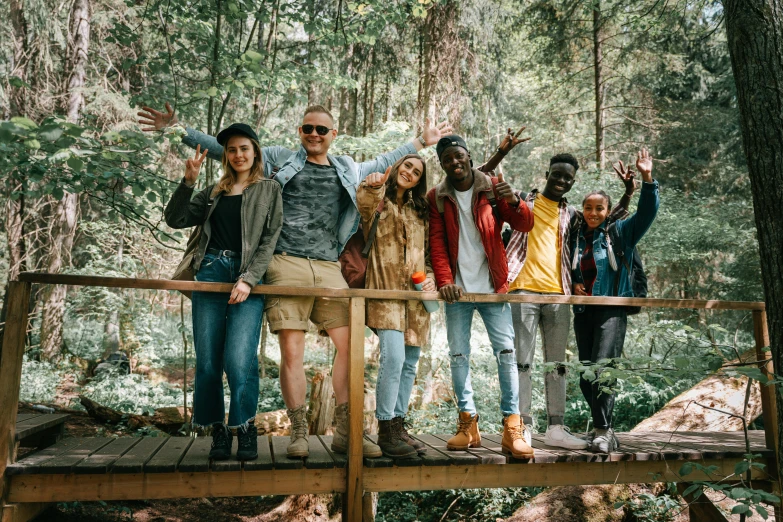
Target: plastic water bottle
[[418, 278]]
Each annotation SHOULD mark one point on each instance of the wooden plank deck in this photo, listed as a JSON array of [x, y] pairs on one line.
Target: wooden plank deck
[[118, 468], [39, 430]]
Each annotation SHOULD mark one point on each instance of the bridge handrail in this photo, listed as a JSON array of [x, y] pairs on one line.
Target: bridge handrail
[[168, 284]]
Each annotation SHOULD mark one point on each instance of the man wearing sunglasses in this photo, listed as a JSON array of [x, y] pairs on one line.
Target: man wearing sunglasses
[[319, 216]]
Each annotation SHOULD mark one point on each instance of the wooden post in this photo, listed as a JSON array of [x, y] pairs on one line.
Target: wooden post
[[352, 505], [18, 300], [768, 402], [769, 409]]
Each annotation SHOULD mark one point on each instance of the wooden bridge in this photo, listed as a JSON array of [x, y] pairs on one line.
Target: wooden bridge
[[127, 468]]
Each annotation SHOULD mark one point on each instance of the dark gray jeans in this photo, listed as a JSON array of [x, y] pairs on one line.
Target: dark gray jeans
[[600, 334]]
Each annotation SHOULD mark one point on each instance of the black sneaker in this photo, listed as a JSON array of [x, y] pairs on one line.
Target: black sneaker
[[247, 442], [221, 442]]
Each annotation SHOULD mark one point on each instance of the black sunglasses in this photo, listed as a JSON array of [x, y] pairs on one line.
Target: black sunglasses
[[320, 129]]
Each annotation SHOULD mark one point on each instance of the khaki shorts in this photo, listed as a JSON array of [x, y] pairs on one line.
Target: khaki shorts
[[293, 312]]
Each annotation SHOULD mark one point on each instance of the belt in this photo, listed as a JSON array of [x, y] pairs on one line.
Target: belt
[[300, 256], [224, 253]]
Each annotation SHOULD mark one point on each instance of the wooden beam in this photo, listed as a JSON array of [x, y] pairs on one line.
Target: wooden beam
[[18, 300], [22, 512], [117, 486], [700, 509], [352, 503], [541, 475], [165, 284]]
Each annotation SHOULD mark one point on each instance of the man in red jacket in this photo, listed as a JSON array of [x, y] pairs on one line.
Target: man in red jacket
[[467, 211]]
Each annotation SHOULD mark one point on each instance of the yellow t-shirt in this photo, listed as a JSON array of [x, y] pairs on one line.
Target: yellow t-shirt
[[541, 271]]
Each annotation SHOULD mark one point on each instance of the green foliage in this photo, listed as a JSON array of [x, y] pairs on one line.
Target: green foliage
[[40, 380], [132, 393], [651, 508]]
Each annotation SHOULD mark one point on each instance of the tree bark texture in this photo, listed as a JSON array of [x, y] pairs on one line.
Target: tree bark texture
[[80, 43], [754, 31], [348, 97], [19, 65], [442, 52], [65, 217], [600, 87]]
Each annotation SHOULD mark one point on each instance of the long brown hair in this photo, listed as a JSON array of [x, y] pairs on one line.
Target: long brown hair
[[417, 194], [229, 176]]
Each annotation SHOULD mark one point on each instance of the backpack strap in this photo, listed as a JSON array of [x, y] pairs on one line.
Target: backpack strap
[[615, 250], [373, 229]]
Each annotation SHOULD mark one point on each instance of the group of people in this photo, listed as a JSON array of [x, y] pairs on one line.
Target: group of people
[[283, 217]]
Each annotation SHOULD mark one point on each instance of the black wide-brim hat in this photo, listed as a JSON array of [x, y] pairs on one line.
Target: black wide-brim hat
[[236, 129]]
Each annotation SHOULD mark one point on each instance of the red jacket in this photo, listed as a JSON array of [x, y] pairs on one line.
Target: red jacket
[[444, 229]]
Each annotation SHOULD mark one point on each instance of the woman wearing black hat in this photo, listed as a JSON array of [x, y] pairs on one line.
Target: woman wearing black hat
[[241, 217]]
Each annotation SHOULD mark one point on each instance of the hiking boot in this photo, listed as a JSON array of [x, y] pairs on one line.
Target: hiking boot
[[298, 447], [560, 436], [590, 436], [221, 442], [468, 435], [390, 442], [418, 445], [340, 439], [513, 441], [604, 441], [247, 442]]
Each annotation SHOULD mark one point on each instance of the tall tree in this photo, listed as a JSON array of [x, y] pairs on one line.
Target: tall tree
[[65, 212], [755, 38]]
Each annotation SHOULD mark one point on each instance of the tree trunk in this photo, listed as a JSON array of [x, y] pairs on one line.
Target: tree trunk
[[66, 211], [753, 29], [111, 338], [600, 87], [213, 83], [19, 65]]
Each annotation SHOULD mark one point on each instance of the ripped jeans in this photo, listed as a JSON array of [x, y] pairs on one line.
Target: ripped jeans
[[497, 320], [554, 321]]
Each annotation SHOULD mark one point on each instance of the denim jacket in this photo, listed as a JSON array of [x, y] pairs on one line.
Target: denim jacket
[[287, 163], [630, 231]]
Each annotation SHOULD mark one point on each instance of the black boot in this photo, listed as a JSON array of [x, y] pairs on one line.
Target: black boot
[[418, 445], [221, 442], [247, 442], [391, 444]]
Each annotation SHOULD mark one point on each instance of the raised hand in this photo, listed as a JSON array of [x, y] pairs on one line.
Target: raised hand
[[376, 179], [193, 166], [627, 176], [645, 164], [158, 120], [432, 133], [511, 140], [505, 191]]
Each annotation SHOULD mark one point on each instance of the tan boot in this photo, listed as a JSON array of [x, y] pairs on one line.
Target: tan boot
[[514, 438], [340, 439], [467, 433], [298, 447]]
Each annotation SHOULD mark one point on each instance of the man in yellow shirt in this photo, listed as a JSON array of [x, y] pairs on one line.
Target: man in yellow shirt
[[538, 264]]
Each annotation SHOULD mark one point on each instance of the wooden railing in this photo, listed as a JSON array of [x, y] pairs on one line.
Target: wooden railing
[[18, 298]]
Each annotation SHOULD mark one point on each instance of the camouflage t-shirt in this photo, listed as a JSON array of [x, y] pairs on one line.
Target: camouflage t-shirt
[[312, 203]]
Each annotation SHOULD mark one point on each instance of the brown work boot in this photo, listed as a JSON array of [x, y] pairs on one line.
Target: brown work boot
[[467, 433], [390, 442], [340, 439], [298, 447], [514, 438], [418, 445]]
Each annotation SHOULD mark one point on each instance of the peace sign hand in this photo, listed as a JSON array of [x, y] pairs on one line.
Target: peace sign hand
[[511, 140], [627, 176], [158, 120], [193, 165], [376, 179], [432, 133]]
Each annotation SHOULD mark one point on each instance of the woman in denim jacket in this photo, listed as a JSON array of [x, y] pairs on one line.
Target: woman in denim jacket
[[241, 218], [599, 268]]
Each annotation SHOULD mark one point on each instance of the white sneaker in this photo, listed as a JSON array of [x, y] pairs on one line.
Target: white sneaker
[[560, 436]]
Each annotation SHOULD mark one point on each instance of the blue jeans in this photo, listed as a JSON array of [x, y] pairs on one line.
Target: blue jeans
[[395, 375], [497, 320], [226, 339]]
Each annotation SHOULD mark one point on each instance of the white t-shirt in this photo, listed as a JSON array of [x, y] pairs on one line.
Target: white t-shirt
[[472, 265]]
